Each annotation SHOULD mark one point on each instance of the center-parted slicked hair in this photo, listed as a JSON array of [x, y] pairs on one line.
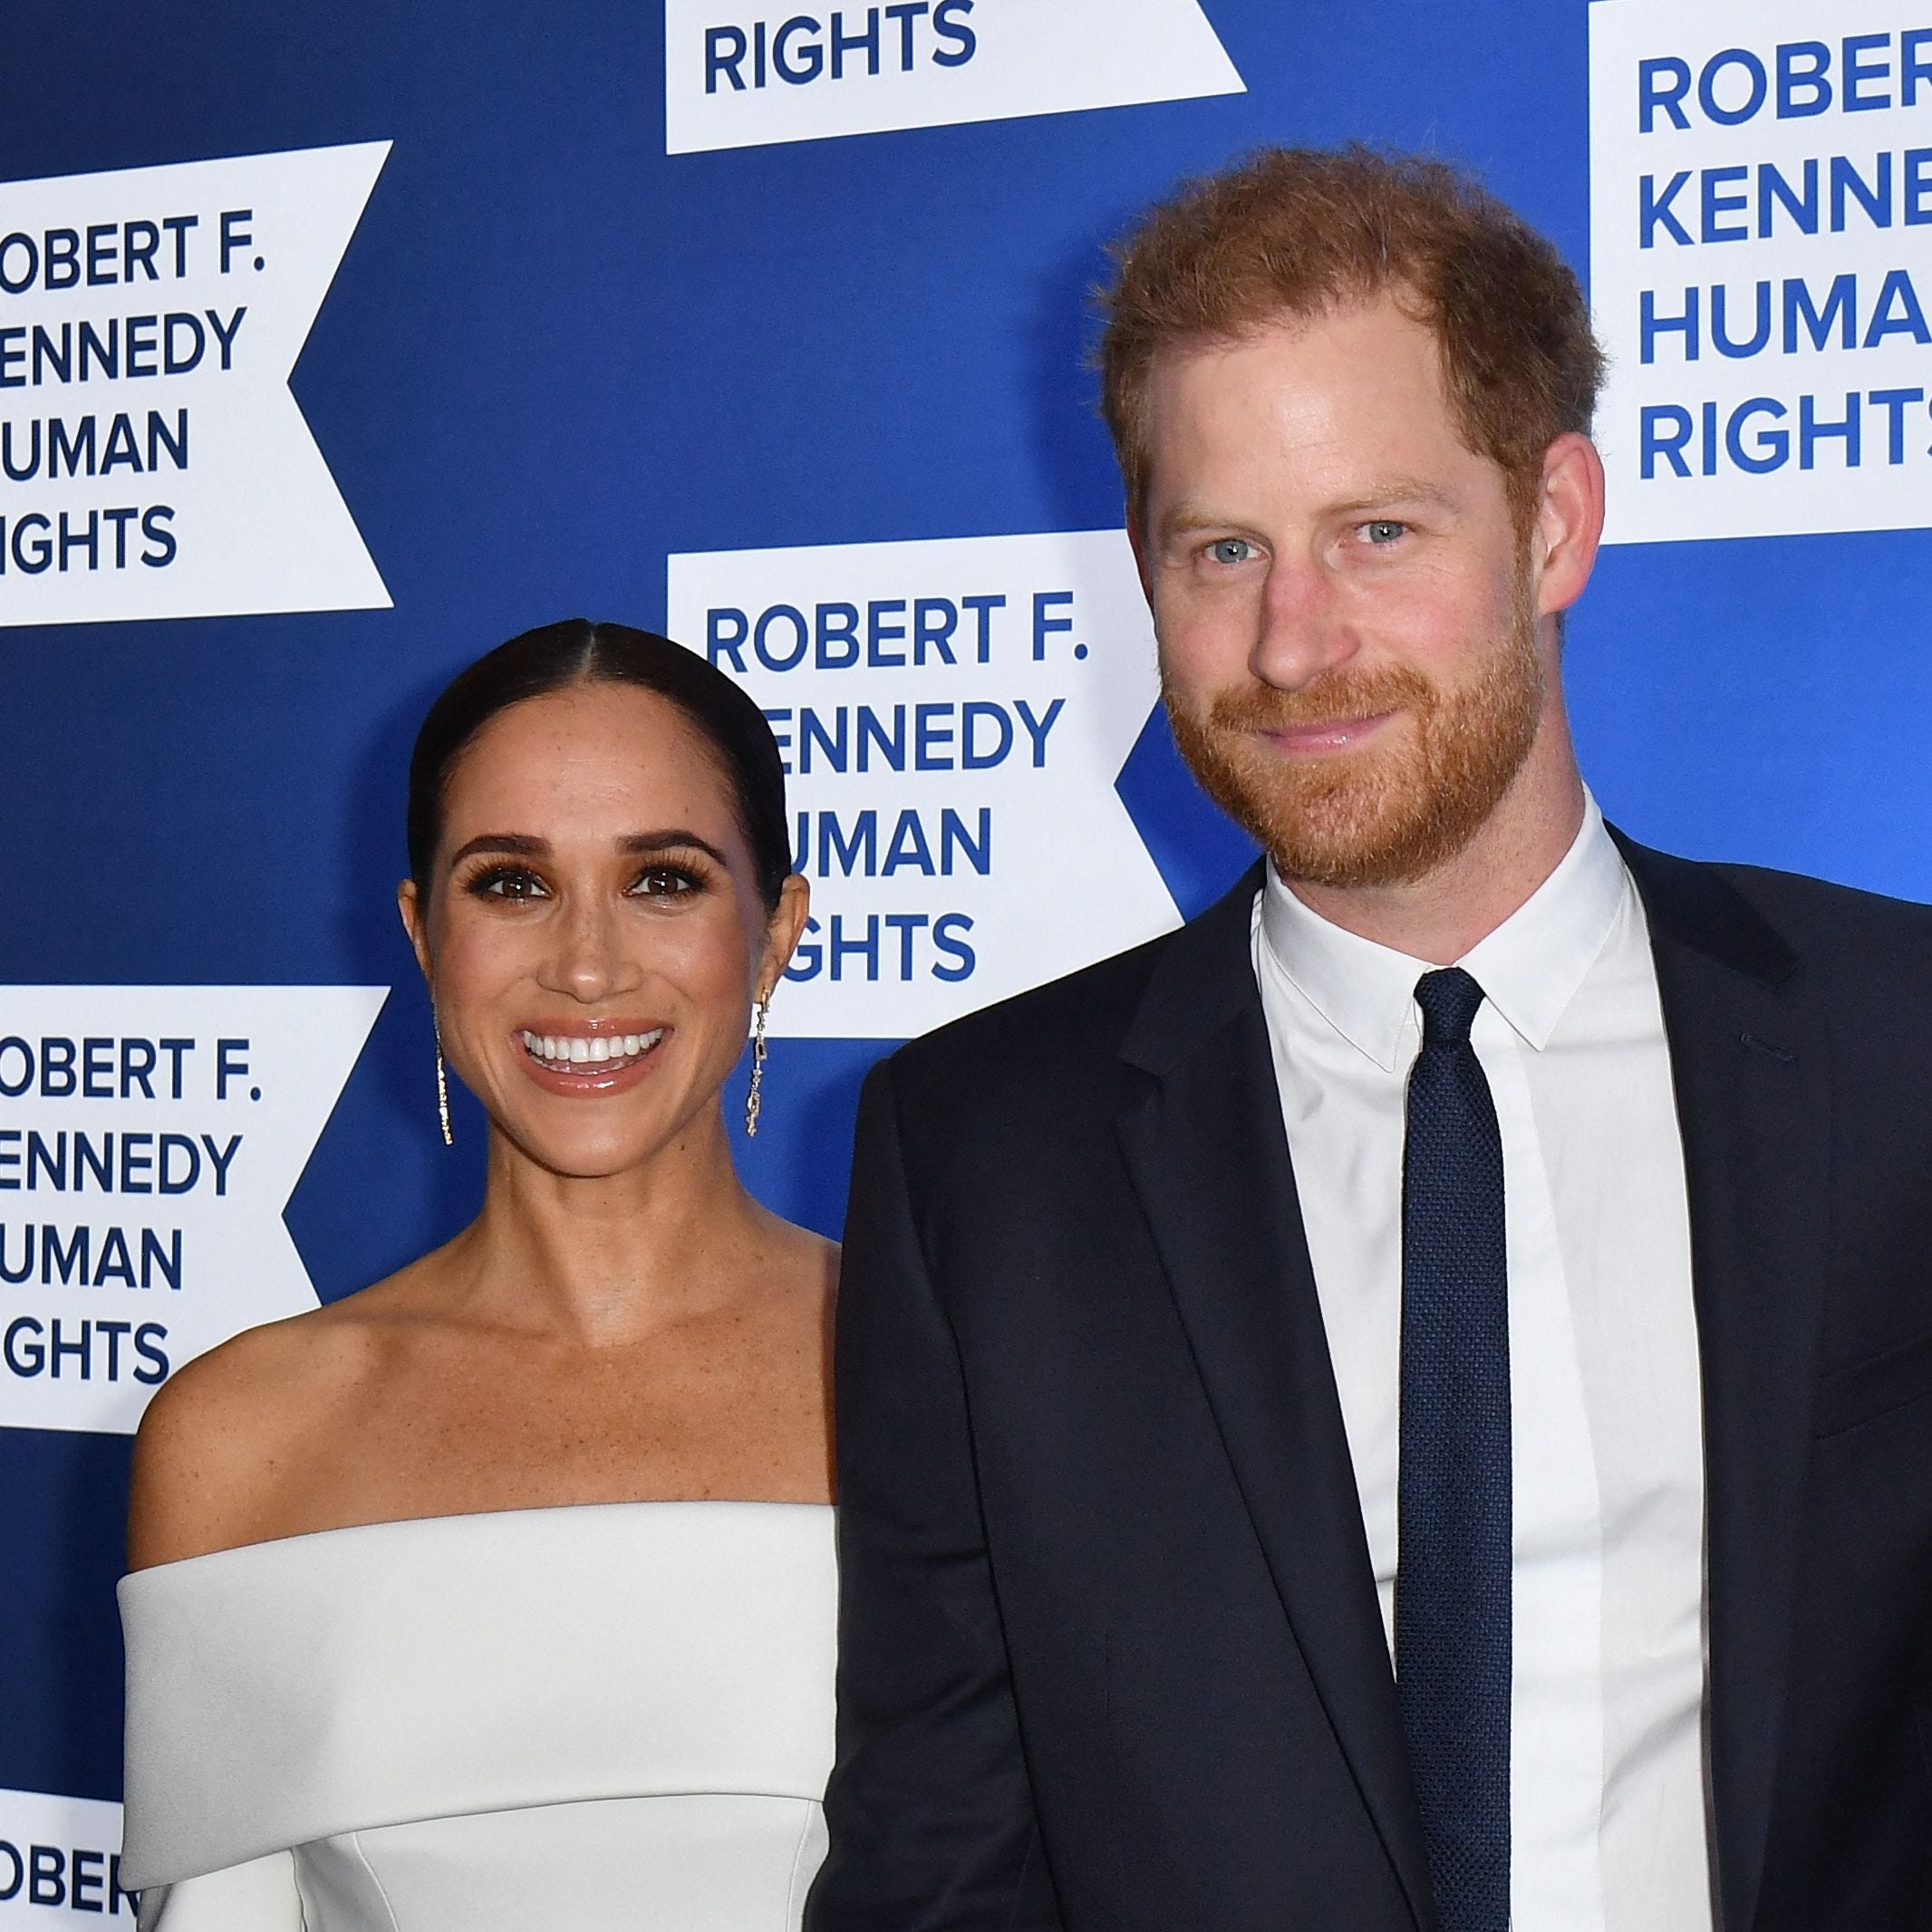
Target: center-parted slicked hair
[[574, 652], [1298, 231]]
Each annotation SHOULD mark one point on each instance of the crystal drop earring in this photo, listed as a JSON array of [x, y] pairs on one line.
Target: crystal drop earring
[[442, 1083], [755, 1097]]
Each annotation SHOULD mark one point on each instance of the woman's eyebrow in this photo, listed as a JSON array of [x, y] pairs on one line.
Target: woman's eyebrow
[[519, 842], [642, 844], [633, 844]]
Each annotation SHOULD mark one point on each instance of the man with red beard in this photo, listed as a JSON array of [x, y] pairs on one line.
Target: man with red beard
[[1406, 1405]]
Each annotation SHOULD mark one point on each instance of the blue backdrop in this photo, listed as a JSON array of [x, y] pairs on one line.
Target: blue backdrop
[[556, 355]]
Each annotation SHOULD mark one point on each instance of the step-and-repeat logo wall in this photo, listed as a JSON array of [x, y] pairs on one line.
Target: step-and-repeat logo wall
[[944, 706], [1761, 245], [954, 713], [954, 716]]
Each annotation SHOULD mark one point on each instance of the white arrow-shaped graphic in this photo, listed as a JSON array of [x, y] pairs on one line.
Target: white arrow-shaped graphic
[[743, 75], [149, 1139], [954, 715], [155, 463]]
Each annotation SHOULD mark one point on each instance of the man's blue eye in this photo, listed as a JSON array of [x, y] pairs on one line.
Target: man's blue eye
[[1229, 550], [1384, 531]]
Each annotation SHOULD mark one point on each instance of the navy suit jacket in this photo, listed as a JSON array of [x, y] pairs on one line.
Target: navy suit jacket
[[1110, 1653]]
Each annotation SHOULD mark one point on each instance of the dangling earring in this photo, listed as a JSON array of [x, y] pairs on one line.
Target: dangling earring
[[754, 1099], [442, 1083]]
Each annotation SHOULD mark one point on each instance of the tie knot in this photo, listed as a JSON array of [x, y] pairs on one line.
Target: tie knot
[[1448, 1000]]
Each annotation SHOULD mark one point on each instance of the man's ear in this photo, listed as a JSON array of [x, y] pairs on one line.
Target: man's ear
[[1568, 522]]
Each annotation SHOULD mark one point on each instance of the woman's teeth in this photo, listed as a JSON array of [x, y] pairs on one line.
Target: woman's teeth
[[565, 1053]]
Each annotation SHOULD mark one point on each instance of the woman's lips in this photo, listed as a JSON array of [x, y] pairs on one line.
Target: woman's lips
[[603, 1060]]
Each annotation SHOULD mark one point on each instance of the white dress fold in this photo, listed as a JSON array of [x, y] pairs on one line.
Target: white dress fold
[[610, 1716]]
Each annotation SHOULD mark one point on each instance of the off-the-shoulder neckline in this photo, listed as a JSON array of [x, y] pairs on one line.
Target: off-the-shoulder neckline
[[544, 1511]]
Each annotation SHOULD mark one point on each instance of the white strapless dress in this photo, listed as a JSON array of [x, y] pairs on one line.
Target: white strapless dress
[[564, 1720]]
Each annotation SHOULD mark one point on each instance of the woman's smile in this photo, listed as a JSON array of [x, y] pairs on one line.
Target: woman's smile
[[603, 1059]]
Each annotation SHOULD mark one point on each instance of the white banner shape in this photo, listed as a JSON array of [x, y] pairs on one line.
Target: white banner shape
[[149, 1138], [1761, 265], [739, 74], [953, 715], [153, 463], [60, 1856]]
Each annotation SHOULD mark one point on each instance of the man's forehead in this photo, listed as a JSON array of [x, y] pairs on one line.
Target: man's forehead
[[1366, 377], [1355, 399]]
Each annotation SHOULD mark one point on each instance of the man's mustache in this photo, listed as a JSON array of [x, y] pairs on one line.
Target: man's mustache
[[1339, 698]]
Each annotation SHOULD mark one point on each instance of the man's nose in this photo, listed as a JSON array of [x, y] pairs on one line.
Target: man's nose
[[1306, 629]]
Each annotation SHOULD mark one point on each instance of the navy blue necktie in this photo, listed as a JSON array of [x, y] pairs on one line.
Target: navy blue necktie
[[1453, 1576]]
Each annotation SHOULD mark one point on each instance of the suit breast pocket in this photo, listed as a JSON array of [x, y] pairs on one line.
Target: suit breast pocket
[[1870, 1390]]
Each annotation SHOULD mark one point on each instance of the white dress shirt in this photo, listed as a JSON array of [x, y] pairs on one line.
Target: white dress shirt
[[1607, 1789]]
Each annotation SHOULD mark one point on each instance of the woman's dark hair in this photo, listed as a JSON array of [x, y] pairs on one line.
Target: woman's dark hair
[[577, 652]]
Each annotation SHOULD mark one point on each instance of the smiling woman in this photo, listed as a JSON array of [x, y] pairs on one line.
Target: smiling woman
[[678, 863], [441, 1590]]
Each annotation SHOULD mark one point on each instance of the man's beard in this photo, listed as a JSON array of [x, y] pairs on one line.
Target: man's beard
[[1382, 815]]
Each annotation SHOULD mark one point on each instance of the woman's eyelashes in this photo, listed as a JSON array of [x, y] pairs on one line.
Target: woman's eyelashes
[[664, 879], [517, 884], [520, 884]]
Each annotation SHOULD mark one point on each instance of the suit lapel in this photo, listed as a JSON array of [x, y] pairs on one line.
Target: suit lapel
[[1209, 1159], [1749, 1060]]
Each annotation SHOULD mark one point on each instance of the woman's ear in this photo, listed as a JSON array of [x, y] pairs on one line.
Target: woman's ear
[[409, 904], [785, 929]]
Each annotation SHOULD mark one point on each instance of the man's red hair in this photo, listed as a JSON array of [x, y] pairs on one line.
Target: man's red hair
[[1295, 232]]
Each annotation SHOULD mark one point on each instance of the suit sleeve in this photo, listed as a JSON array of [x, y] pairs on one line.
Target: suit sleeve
[[930, 1811]]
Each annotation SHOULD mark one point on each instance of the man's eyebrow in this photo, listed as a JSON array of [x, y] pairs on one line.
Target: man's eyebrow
[[1187, 519], [1397, 490]]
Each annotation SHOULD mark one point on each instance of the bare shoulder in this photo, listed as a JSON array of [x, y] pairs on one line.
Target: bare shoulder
[[219, 1437]]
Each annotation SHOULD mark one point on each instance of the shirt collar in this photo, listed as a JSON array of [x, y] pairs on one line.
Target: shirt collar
[[1530, 968]]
